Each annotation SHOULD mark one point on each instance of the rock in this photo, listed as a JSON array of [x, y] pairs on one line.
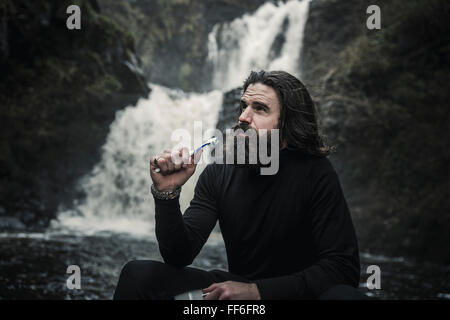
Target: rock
[[370, 87], [11, 223], [172, 36], [77, 80], [229, 111], [4, 48], [26, 216]]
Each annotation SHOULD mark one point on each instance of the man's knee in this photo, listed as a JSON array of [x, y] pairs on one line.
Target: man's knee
[[136, 269], [342, 292], [139, 278]]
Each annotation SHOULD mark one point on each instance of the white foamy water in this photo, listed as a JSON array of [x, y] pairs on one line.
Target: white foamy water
[[245, 44], [118, 194], [117, 190]]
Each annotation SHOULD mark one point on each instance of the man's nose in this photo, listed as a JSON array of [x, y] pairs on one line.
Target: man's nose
[[246, 115]]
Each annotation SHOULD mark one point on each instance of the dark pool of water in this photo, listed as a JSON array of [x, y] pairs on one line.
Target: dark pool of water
[[33, 266]]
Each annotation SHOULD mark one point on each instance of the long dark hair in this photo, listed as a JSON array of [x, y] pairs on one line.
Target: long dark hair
[[298, 116]]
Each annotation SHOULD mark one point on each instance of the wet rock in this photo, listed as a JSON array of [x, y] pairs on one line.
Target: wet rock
[[35, 268], [77, 80], [11, 223], [172, 36], [229, 111], [370, 89], [26, 216]]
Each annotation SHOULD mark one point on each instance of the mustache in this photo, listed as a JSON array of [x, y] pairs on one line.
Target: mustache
[[243, 126]]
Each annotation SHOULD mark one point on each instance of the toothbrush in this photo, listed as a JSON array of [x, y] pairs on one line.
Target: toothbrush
[[211, 141]]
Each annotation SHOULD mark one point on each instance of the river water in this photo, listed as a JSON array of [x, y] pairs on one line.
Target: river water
[[34, 265]]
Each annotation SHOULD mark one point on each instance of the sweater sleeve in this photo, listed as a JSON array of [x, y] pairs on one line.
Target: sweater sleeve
[[181, 236], [335, 243]]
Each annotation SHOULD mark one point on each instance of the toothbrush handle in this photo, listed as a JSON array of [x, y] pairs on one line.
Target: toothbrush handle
[[195, 151], [190, 154]]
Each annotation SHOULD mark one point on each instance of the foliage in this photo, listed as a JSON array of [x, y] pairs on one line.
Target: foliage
[[390, 88], [59, 92]]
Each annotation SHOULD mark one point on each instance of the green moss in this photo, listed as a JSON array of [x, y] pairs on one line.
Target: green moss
[[397, 79], [58, 98], [104, 86]]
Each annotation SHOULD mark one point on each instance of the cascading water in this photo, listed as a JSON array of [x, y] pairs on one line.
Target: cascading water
[[117, 190], [269, 39]]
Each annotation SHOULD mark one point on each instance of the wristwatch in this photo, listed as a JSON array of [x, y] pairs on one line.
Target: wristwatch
[[165, 195]]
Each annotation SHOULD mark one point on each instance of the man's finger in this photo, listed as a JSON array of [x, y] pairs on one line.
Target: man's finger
[[214, 295], [197, 156], [211, 287], [163, 165], [193, 161], [154, 163], [177, 160], [169, 163], [185, 156], [224, 296]]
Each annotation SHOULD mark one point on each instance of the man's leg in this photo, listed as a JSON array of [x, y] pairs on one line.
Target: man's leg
[[342, 292], [148, 279]]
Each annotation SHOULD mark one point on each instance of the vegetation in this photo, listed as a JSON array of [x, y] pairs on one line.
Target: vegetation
[[59, 93], [385, 104]]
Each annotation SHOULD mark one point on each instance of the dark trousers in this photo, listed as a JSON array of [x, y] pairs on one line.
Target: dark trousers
[[154, 280]]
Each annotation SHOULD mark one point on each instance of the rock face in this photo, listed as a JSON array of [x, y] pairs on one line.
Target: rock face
[[383, 99], [59, 93], [172, 36], [229, 112]]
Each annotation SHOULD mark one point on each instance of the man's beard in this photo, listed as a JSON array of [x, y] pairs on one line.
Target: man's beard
[[247, 155]]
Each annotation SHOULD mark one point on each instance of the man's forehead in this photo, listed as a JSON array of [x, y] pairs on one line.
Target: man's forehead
[[260, 92]]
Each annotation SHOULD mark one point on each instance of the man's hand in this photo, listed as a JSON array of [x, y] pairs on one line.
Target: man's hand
[[232, 290], [175, 169]]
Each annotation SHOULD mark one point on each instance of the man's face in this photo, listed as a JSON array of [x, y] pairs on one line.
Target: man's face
[[260, 107], [247, 143]]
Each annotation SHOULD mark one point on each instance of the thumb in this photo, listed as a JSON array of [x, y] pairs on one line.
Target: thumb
[[197, 156], [194, 160]]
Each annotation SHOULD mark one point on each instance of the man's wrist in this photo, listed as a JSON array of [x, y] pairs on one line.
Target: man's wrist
[[166, 194]]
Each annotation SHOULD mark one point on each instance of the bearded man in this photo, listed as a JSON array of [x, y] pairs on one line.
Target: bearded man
[[288, 235]]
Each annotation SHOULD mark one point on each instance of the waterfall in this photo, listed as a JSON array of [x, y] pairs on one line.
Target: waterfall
[[117, 190], [269, 39]]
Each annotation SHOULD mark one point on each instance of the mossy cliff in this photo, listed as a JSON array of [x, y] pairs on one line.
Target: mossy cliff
[[383, 99], [172, 35], [60, 88], [59, 92]]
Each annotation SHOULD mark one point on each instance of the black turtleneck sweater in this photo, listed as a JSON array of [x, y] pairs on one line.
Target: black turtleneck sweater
[[290, 233]]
